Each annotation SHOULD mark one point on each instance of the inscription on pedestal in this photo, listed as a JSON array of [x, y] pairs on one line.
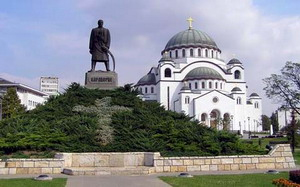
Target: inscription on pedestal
[[101, 80]]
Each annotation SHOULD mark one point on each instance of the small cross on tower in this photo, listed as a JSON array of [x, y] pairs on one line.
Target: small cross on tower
[[190, 20]]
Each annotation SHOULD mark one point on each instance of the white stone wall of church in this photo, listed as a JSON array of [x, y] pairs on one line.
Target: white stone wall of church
[[205, 105]]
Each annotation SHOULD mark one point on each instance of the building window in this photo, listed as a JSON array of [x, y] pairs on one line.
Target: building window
[[203, 117], [146, 90], [190, 85], [215, 99], [237, 74], [210, 85], [170, 54], [256, 105], [199, 52], [141, 90], [239, 101], [152, 89], [221, 86], [167, 72], [203, 85], [206, 53], [196, 85], [176, 53], [183, 53], [216, 85], [212, 54], [191, 52], [187, 100]]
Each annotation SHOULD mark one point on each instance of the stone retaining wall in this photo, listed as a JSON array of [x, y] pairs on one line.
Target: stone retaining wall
[[115, 159], [278, 158], [31, 166]]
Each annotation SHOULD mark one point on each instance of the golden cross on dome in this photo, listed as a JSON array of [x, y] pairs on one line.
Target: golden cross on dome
[[190, 20]]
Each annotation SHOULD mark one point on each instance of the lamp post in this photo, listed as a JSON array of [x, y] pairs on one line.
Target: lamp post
[[249, 133], [231, 123], [0, 107], [293, 124]]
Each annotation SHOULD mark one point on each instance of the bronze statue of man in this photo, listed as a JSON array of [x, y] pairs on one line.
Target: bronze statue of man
[[99, 45]]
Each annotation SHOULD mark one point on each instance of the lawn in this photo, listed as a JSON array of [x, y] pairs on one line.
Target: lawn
[[265, 141], [58, 182], [244, 180]]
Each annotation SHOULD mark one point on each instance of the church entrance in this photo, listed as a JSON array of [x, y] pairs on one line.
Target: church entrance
[[226, 122], [214, 118]]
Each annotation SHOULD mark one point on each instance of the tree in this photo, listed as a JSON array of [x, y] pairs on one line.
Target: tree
[[265, 122], [11, 104], [285, 88], [274, 122]]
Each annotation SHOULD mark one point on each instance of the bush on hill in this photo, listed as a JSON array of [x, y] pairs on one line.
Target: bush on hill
[[147, 126]]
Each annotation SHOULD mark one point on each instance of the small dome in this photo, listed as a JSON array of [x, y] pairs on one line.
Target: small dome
[[254, 95], [203, 73], [165, 57], [191, 38], [234, 61], [236, 89], [147, 80]]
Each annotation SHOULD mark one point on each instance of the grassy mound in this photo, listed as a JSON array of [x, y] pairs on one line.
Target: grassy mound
[[59, 125]]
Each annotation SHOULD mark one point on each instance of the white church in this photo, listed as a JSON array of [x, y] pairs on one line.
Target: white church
[[192, 78]]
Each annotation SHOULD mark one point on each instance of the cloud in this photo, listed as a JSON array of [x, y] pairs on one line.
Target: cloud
[[140, 30]]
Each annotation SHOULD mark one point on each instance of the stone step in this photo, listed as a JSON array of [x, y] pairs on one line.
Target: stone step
[[140, 170]]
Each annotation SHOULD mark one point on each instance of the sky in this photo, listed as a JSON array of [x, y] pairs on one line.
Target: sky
[[50, 38]]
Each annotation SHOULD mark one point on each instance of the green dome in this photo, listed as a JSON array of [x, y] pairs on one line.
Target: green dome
[[147, 80], [234, 61], [191, 38], [203, 73]]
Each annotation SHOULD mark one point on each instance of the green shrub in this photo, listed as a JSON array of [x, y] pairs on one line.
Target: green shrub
[[55, 126]]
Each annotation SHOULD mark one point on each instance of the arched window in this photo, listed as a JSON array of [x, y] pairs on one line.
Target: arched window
[[203, 85], [199, 52], [167, 72], [237, 74], [152, 89], [239, 101], [187, 100], [216, 85], [203, 117], [196, 85], [191, 52], [212, 54], [206, 53], [183, 53], [146, 90], [170, 54], [210, 85], [176, 54], [256, 105], [190, 85]]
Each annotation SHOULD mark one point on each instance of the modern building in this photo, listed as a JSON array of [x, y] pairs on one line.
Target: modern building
[[29, 97], [49, 85], [284, 117], [192, 78]]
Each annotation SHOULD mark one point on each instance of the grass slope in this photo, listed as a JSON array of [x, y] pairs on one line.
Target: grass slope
[[244, 180], [59, 182]]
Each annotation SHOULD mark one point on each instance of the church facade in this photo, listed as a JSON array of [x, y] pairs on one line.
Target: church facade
[[192, 78]]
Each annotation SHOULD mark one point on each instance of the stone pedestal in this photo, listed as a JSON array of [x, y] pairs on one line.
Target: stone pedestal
[[103, 80]]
